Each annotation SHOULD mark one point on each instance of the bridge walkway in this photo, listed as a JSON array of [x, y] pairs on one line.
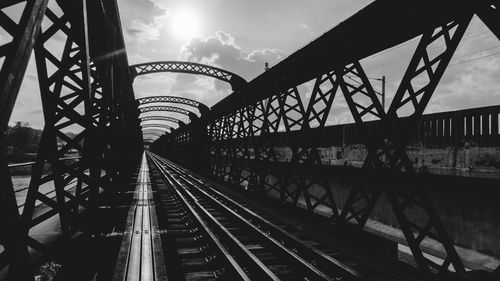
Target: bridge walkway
[[141, 257]]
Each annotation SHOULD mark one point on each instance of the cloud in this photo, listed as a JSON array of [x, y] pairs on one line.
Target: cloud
[[469, 85], [471, 79], [221, 50], [145, 32], [144, 20], [308, 29], [4, 36]]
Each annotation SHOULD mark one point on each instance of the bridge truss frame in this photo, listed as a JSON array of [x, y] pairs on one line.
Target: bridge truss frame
[[87, 86], [242, 129]]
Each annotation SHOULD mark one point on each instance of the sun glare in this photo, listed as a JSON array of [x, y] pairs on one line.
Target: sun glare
[[185, 24]]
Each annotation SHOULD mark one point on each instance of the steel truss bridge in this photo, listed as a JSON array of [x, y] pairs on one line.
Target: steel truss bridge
[[265, 139]]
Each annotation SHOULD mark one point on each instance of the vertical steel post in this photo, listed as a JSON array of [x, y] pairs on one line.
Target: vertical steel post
[[17, 54], [91, 143], [383, 92]]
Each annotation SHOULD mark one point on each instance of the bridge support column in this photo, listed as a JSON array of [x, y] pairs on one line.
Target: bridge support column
[[13, 237], [75, 99], [16, 54], [388, 150]]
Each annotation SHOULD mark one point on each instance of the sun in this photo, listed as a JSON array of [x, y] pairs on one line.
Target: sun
[[185, 24]]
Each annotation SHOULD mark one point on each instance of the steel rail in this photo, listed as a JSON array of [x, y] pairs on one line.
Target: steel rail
[[241, 274], [322, 259], [307, 268], [251, 261], [369, 264]]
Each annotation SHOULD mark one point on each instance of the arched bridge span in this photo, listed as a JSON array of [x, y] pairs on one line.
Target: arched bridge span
[[174, 99], [175, 109], [156, 125], [159, 130], [149, 140], [162, 118], [190, 68], [152, 133]]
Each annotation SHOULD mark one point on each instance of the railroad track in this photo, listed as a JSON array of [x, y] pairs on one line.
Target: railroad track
[[193, 251], [228, 239]]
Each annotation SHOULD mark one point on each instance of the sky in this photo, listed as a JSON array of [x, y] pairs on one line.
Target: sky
[[241, 35]]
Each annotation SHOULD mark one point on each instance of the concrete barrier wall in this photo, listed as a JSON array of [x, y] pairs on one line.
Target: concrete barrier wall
[[468, 207], [468, 160]]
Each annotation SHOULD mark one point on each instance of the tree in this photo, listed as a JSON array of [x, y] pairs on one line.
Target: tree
[[20, 136], [23, 138]]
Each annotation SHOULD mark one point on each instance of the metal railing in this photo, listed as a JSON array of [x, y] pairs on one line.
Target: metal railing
[[23, 164], [15, 165]]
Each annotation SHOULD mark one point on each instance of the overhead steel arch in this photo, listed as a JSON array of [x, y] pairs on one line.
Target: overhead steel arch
[[149, 139], [153, 137], [156, 125], [152, 134], [156, 133], [153, 130], [174, 99], [161, 118], [175, 109], [188, 67], [159, 130]]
